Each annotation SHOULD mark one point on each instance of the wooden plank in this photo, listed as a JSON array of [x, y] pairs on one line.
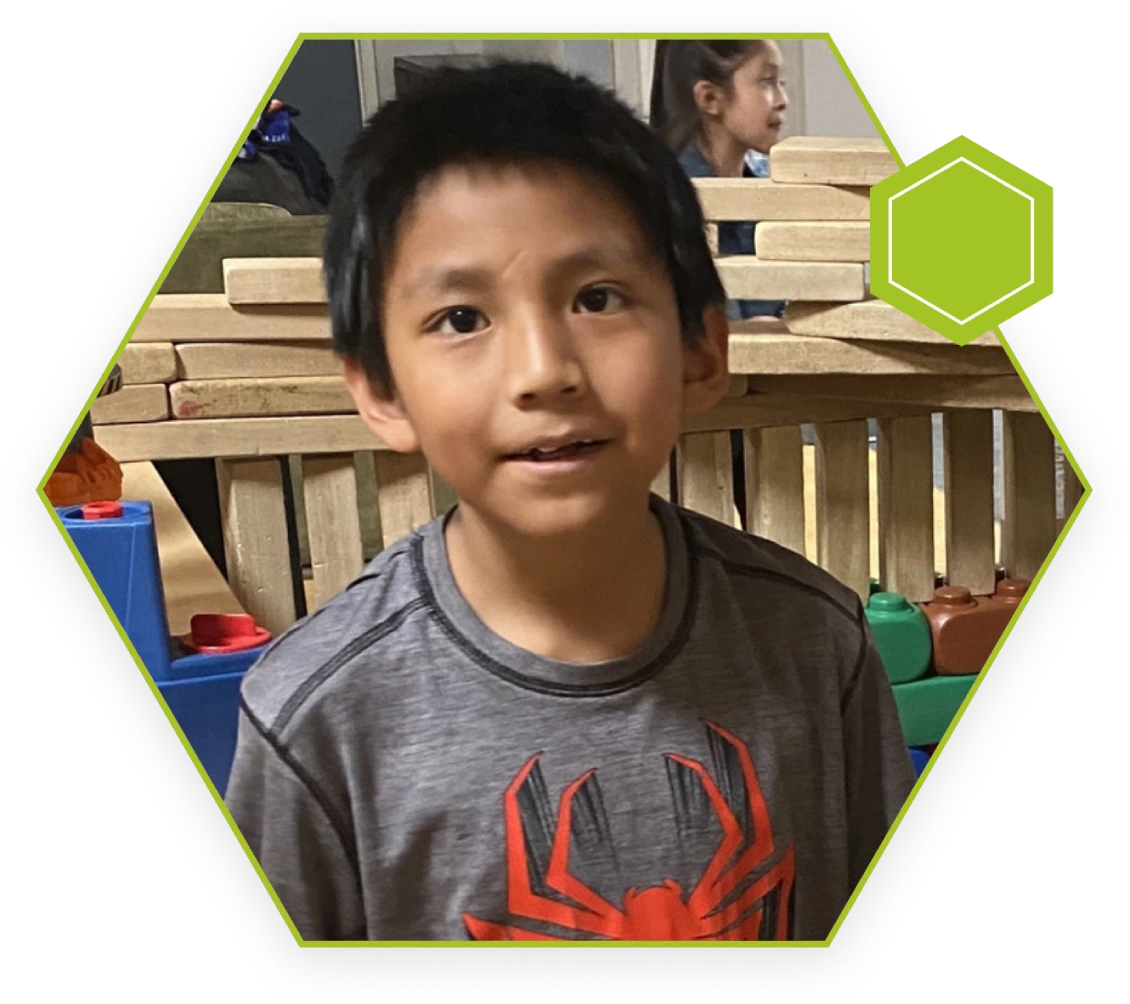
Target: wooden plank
[[842, 503], [404, 493], [774, 478], [747, 278], [936, 392], [1029, 529], [782, 354], [227, 360], [236, 437], [255, 539], [208, 317], [762, 411], [274, 280], [251, 398], [761, 199], [906, 507], [706, 477], [813, 241], [330, 489], [970, 544], [190, 579], [143, 402], [148, 362], [820, 160], [871, 320]]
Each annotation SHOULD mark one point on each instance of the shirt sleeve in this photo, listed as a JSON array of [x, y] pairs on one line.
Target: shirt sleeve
[[878, 771], [305, 851]]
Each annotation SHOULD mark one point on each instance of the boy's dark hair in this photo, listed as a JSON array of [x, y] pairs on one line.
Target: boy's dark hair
[[506, 113]]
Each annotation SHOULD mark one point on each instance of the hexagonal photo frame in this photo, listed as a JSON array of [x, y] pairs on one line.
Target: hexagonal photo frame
[[902, 864]]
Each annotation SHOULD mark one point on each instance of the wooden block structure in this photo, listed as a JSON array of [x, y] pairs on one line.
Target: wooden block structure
[[248, 378]]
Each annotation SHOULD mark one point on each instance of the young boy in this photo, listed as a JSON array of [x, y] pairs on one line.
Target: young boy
[[566, 710]]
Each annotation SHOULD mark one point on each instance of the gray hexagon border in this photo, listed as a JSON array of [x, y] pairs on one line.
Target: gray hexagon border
[[235, 892]]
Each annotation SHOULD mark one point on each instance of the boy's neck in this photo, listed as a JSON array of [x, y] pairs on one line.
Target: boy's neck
[[722, 151], [587, 597]]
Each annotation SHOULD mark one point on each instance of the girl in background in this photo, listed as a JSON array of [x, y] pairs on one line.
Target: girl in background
[[719, 105]]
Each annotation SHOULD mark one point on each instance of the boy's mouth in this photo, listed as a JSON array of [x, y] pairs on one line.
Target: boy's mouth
[[568, 451]]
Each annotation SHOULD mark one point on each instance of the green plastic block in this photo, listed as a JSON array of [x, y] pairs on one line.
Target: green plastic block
[[902, 635], [926, 707]]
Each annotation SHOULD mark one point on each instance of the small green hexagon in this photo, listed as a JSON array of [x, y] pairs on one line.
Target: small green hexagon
[[961, 240]]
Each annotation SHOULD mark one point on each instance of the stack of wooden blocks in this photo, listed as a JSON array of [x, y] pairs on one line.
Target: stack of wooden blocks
[[249, 374]]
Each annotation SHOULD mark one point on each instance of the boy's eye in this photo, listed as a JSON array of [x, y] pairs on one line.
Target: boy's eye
[[459, 321], [599, 300]]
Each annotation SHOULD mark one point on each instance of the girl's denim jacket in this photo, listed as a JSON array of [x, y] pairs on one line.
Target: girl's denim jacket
[[735, 237]]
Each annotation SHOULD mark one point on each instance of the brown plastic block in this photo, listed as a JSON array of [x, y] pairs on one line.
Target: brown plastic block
[[966, 628]]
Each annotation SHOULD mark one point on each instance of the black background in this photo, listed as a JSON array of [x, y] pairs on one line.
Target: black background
[[1016, 898]]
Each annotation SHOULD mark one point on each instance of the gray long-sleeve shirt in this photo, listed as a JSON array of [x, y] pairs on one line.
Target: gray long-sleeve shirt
[[403, 773]]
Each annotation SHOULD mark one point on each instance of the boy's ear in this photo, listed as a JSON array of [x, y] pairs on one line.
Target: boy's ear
[[706, 364], [381, 412]]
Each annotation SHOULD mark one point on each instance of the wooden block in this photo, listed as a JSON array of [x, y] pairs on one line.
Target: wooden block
[[255, 539], [836, 241], [712, 238], [208, 317], [143, 402], [191, 581], [250, 398], [705, 476], [737, 386], [842, 503], [274, 280], [935, 392], [1029, 529], [763, 411], [227, 360], [761, 199], [661, 486], [906, 507], [774, 478], [404, 493], [819, 160], [970, 544], [783, 354], [148, 362], [236, 437], [747, 278], [330, 489], [872, 320]]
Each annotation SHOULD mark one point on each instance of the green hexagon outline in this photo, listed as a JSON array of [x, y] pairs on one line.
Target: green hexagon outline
[[1031, 240], [957, 150], [305, 36]]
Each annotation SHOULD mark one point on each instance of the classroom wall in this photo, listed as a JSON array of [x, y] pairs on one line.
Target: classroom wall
[[321, 82]]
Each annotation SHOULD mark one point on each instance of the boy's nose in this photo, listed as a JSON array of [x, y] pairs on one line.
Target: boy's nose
[[541, 363]]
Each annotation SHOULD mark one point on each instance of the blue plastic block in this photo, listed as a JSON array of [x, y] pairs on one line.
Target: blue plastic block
[[121, 553], [919, 758], [203, 696]]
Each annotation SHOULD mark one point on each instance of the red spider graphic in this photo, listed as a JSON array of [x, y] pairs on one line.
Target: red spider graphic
[[713, 911]]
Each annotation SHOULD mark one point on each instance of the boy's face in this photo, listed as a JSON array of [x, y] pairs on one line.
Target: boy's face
[[754, 108], [524, 312]]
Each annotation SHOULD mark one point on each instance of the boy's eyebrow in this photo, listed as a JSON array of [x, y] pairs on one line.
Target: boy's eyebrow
[[443, 278]]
